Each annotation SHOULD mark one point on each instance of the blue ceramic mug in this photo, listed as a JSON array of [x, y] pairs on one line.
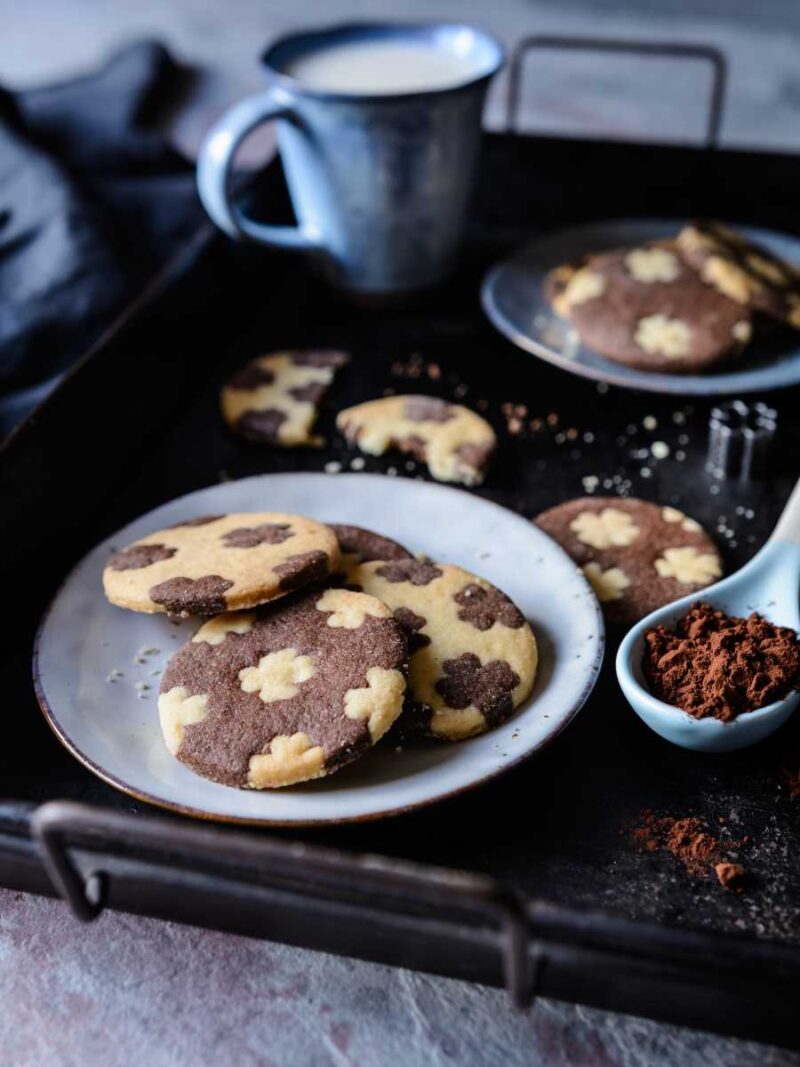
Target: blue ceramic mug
[[379, 180]]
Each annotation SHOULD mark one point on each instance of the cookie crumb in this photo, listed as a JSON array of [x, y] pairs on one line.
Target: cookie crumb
[[115, 675], [730, 875], [333, 467], [650, 422], [357, 464], [660, 449]]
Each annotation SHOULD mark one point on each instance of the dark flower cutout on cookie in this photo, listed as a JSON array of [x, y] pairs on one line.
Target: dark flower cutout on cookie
[[475, 455], [411, 623], [303, 569], [269, 533], [251, 376], [135, 557], [428, 409], [200, 520], [261, 425], [415, 571], [482, 608], [322, 357], [192, 596], [310, 393], [489, 687]]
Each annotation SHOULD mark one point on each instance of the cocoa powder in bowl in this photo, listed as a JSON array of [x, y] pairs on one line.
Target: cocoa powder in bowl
[[719, 665]]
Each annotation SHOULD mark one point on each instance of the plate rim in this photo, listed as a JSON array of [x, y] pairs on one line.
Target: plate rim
[[51, 717], [614, 376]]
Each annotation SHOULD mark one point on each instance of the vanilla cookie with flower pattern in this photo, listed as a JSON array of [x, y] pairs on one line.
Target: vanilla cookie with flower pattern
[[216, 563], [638, 556], [274, 399], [472, 654], [646, 308], [455, 443], [287, 693], [744, 271]]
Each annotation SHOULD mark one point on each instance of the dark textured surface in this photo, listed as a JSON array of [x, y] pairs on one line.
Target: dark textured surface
[[563, 834]]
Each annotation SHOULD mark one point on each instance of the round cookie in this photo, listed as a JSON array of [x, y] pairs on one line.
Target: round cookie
[[217, 563], [290, 692], [358, 545], [742, 270], [456, 444], [472, 655], [645, 308], [273, 399], [638, 556]]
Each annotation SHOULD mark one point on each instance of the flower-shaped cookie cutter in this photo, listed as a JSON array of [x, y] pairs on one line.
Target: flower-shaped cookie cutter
[[740, 436]]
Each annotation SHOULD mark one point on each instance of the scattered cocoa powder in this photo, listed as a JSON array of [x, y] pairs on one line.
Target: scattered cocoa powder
[[688, 840], [713, 664]]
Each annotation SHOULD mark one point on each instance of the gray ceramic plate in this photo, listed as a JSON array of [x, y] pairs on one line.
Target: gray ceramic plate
[[112, 726], [513, 298]]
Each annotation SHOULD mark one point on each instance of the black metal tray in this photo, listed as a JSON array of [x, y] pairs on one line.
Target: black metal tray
[[533, 880]]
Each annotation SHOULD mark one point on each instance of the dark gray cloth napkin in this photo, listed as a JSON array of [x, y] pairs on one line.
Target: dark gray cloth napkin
[[92, 199]]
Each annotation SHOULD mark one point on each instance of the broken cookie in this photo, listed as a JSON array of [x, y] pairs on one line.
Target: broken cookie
[[274, 399], [456, 444]]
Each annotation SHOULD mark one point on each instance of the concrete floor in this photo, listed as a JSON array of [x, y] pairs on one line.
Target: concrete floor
[[128, 990]]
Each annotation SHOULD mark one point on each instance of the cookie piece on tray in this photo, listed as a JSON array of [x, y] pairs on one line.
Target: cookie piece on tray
[[274, 399], [472, 655], [217, 563], [290, 692], [456, 444], [741, 269], [638, 556], [645, 308]]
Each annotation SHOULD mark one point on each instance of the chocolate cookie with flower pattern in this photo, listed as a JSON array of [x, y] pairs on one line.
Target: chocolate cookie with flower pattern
[[358, 545], [744, 271], [646, 308], [287, 693], [473, 656], [218, 563], [638, 556], [456, 444], [274, 399]]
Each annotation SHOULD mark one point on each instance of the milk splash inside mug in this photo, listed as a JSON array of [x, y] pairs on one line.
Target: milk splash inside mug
[[378, 130]]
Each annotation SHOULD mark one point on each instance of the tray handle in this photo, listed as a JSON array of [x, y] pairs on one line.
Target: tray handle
[[671, 49], [313, 866]]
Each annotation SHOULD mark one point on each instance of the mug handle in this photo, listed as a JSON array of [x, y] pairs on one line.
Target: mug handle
[[214, 166]]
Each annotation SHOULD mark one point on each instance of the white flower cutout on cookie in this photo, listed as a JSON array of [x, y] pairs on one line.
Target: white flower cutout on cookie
[[688, 565], [585, 284], [379, 702], [609, 584], [604, 529], [674, 515], [649, 265], [277, 675], [660, 335]]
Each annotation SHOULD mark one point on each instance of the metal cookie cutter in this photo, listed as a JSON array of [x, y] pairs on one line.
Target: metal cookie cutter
[[740, 436]]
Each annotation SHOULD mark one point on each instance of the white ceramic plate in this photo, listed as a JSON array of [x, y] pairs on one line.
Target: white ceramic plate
[[513, 298], [112, 727]]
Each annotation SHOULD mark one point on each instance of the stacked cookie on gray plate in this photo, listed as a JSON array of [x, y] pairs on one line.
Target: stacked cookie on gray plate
[[679, 305], [320, 639]]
